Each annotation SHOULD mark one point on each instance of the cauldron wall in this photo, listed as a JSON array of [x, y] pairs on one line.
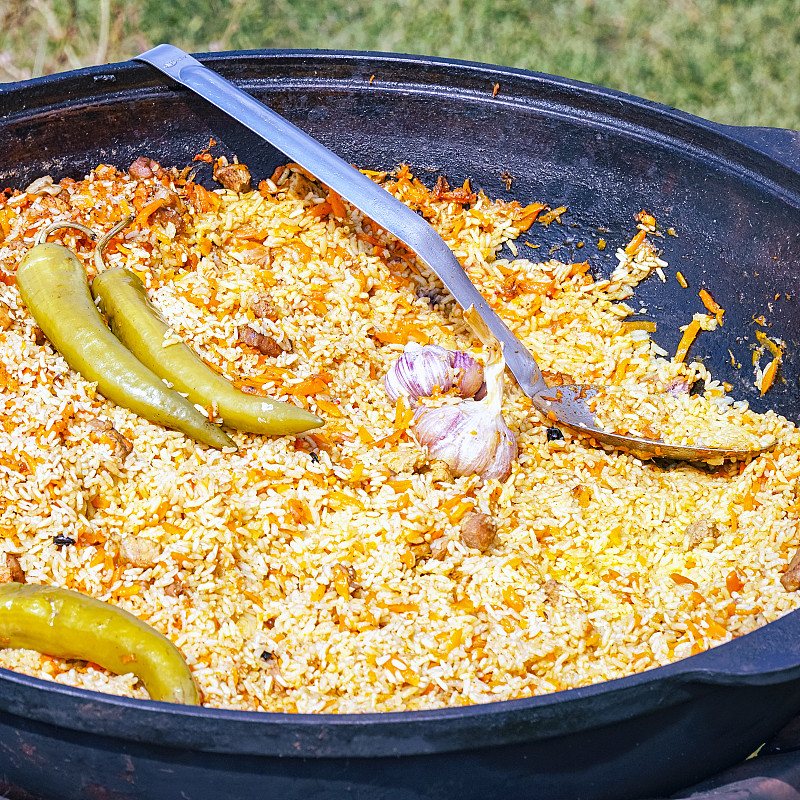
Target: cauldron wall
[[732, 197]]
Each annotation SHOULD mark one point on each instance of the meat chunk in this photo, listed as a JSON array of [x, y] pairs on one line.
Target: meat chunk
[[262, 306], [138, 551], [144, 167], [166, 215], [552, 590], [299, 187], [42, 186], [697, 531], [678, 386], [15, 569], [6, 317], [460, 194], [439, 548], [478, 530], [264, 344], [403, 459], [103, 430], [558, 378], [440, 471], [174, 589], [234, 177], [791, 578]]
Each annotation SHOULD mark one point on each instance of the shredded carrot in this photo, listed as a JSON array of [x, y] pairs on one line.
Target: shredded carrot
[[712, 305], [321, 209], [365, 436], [341, 584], [646, 219], [689, 335], [337, 206], [403, 414], [775, 349], [201, 198], [715, 629], [733, 582], [314, 384], [635, 243], [452, 502], [682, 280], [696, 599], [346, 499], [402, 336], [682, 579], [173, 529], [579, 269], [398, 608], [356, 473], [391, 438], [513, 600], [555, 214], [252, 597], [128, 591], [529, 215], [768, 378], [330, 408], [639, 325], [144, 215], [318, 592], [459, 512]]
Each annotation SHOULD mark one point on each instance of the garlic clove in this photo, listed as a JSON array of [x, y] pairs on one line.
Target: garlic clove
[[418, 372], [424, 370], [468, 436], [470, 373]]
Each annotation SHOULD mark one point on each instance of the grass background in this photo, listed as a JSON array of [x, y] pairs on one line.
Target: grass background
[[736, 62]]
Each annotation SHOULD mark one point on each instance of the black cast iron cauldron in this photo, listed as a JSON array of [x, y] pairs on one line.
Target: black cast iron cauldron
[[733, 197]]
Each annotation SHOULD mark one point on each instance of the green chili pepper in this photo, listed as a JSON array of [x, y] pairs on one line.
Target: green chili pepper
[[133, 318], [54, 287], [67, 624]]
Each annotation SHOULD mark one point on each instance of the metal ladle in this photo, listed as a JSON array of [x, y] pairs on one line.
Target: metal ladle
[[565, 405]]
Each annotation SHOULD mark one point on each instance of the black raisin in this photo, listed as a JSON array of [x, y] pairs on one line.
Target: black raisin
[[554, 434], [266, 655], [314, 457], [63, 541]]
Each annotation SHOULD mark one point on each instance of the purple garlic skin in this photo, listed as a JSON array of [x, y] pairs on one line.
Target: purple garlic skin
[[421, 370], [471, 380]]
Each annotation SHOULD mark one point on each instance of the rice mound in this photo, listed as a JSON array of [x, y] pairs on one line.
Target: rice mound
[[327, 572]]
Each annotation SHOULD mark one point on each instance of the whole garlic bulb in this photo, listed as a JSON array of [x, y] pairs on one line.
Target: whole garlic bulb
[[471, 436], [468, 436], [423, 369]]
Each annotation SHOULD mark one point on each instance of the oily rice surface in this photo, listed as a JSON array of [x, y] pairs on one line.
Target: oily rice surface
[[326, 572]]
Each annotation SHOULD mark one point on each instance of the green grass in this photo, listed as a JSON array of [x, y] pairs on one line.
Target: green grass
[[735, 62]]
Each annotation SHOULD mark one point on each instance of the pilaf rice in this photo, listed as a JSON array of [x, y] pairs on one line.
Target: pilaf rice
[[327, 572]]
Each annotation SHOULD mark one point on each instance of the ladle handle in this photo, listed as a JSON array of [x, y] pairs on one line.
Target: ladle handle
[[355, 187]]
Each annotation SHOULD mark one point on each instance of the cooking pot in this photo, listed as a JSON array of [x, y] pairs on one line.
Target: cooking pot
[[732, 197]]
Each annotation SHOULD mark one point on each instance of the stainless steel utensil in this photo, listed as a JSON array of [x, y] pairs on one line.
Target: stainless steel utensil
[[566, 405]]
